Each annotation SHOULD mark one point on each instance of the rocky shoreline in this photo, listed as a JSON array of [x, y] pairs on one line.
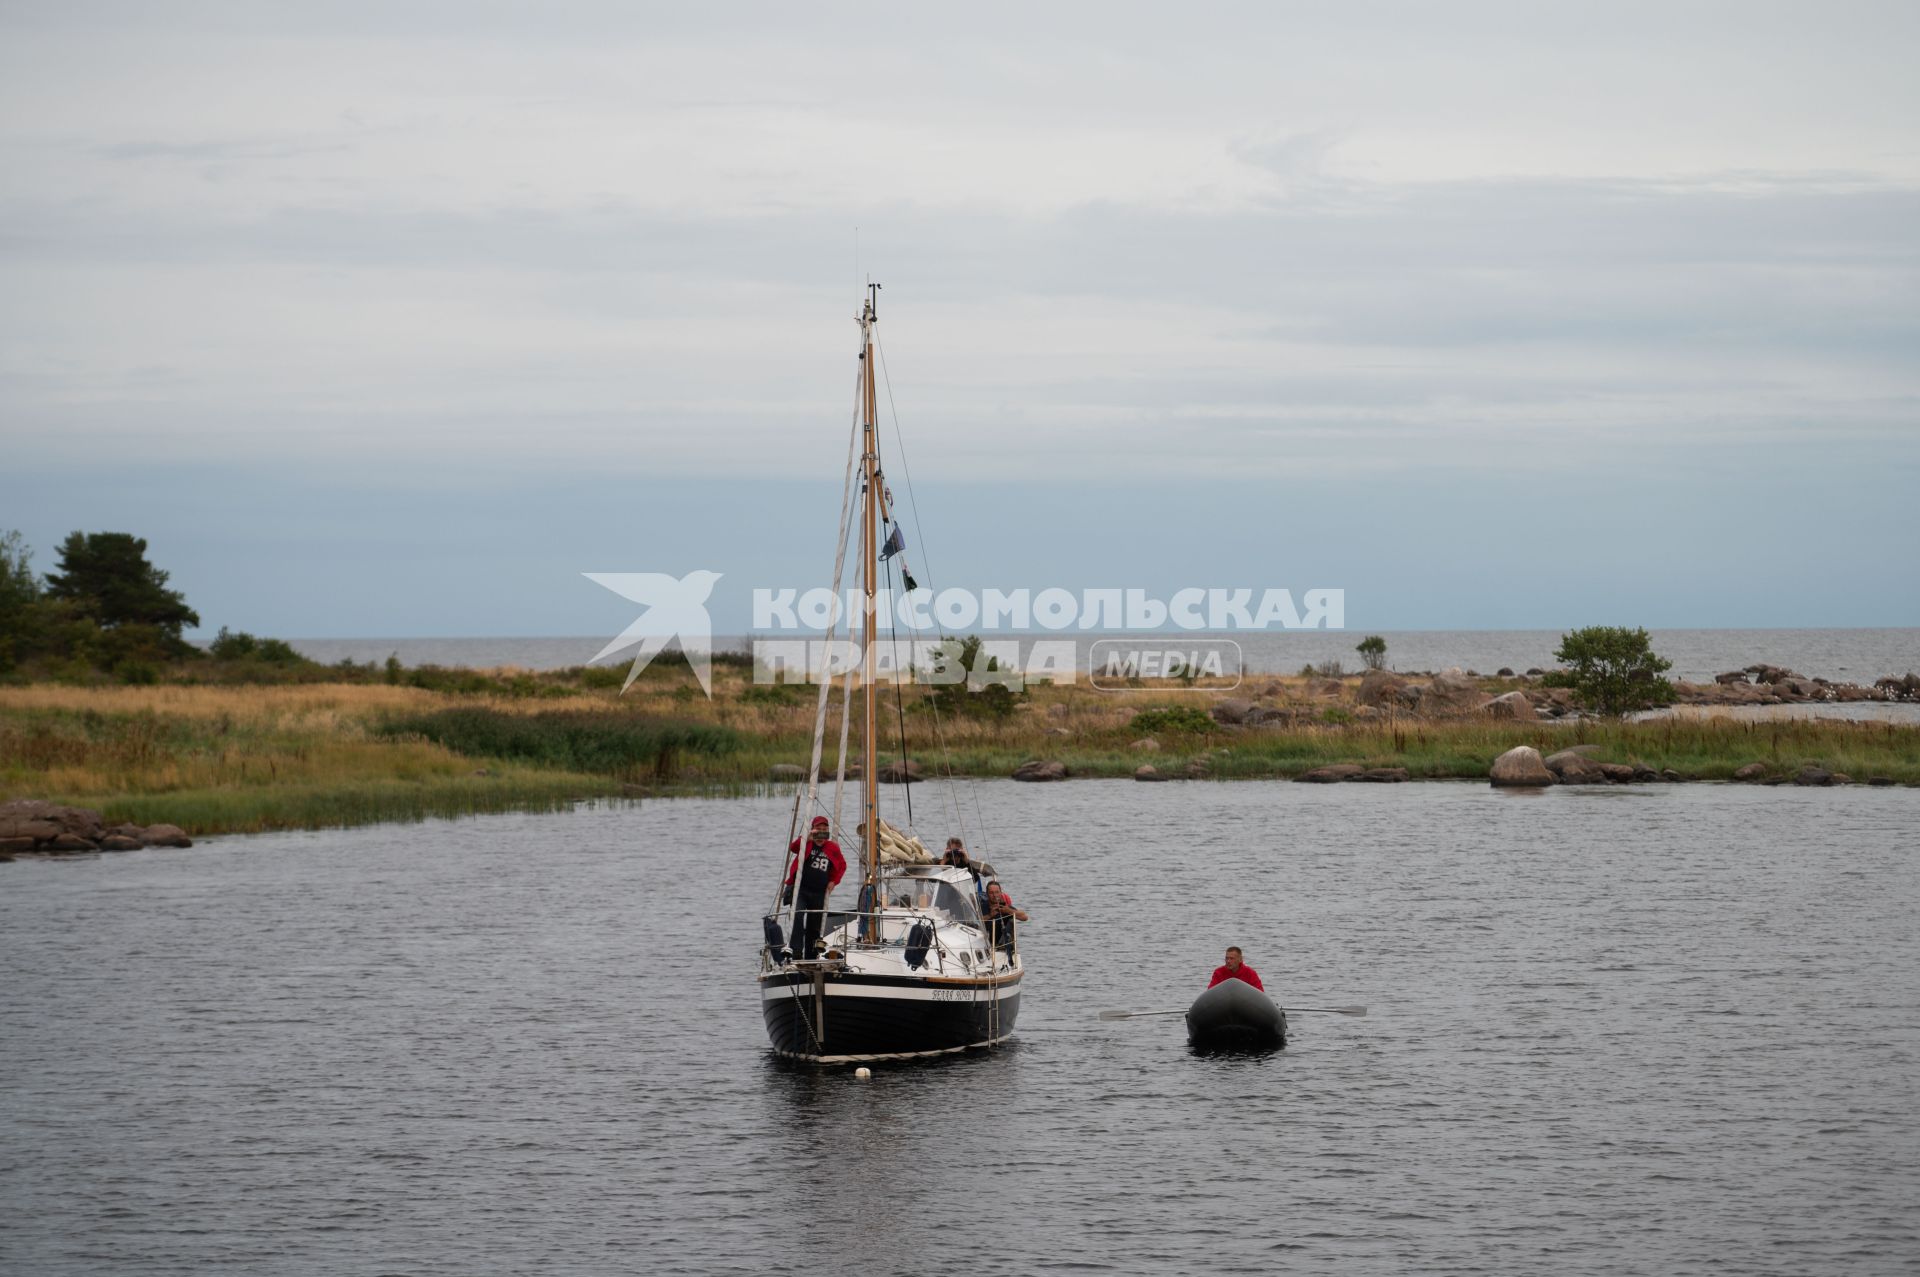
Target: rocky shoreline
[[1777, 685], [1523, 767], [30, 827]]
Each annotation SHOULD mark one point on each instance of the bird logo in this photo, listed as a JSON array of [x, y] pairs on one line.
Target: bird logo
[[676, 608]]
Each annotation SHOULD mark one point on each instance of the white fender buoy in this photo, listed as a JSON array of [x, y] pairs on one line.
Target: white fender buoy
[[863, 1073]]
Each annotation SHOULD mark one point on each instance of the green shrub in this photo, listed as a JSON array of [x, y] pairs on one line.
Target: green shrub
[[1172, 718], [601, 741]]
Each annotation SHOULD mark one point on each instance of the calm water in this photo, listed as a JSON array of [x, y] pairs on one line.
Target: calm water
[[1844, 656], [1657, 1030]]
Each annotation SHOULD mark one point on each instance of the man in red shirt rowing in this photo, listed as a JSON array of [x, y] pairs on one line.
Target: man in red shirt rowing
[[1235, 969]]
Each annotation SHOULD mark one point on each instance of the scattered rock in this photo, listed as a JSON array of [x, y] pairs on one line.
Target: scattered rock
[[71, 842], [1267, 715], [1575, 770], [1871, 780], [1059, 731], [1522, 766], [1643, 774], [1505, 671], [1147, 744], [1383, 688], [899, 772], [1199, 769], [1813, 775], [1751, 772], [1331, 774], [1534, 671], [10, 845], [1731, 676], [1451, 693], [1041, 770], [1147, 771], [1573, 767], [43, 821], [1232, 709], [167, 836], [1383, 775], [1670, 775], [120, 842], [1513, 705], [1618, 773]]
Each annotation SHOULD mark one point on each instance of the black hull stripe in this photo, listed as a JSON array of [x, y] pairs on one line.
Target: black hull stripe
[[885, 1028]]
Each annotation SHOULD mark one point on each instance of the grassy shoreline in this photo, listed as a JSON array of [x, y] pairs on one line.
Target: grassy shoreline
[[246, 758]]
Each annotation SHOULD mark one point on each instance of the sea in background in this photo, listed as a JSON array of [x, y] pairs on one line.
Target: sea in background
[[1612, 1032], [1841, 655]]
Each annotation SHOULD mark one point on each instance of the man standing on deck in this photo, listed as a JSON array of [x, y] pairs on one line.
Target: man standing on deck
[[1235, 969], [819, 866]]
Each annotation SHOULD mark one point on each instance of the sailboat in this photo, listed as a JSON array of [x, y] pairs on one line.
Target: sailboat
[[914, 970]]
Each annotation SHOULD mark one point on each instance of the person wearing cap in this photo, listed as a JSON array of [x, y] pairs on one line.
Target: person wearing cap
[[1236, 969], [818, 868], [956, 855]]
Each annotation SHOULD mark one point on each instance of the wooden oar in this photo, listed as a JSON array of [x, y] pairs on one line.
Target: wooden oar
[[1130, 1015]]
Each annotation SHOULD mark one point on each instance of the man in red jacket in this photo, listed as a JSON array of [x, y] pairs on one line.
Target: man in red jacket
[[819, 867], [1235, 969]]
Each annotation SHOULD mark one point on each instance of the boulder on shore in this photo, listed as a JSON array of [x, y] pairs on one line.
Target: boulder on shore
[[1331, 774], [1451, 693], [1382, 688], [44, 821], [1147, 771], [1041, 770], [1147, 744], [1383, 775], [1813, 775], [1577, 769], [30, 825], [1232, 709], [786, 771], [1520, 766], [1751, 772], [1513, 705]]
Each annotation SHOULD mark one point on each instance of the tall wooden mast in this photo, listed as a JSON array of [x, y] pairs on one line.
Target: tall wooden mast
[[869, 567]]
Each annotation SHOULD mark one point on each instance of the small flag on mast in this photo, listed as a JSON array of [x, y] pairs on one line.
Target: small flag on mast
[[893, 545]]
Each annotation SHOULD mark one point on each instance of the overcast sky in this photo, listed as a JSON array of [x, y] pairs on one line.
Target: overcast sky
[[394, 318]]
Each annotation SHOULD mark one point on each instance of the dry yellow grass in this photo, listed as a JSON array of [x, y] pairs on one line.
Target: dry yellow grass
[[316, 706]]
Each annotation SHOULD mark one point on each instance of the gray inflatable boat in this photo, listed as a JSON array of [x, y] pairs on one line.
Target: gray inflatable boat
[[1235, 1016]]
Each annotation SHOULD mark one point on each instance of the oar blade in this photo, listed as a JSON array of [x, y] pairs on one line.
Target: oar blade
[[1116, 1015]]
